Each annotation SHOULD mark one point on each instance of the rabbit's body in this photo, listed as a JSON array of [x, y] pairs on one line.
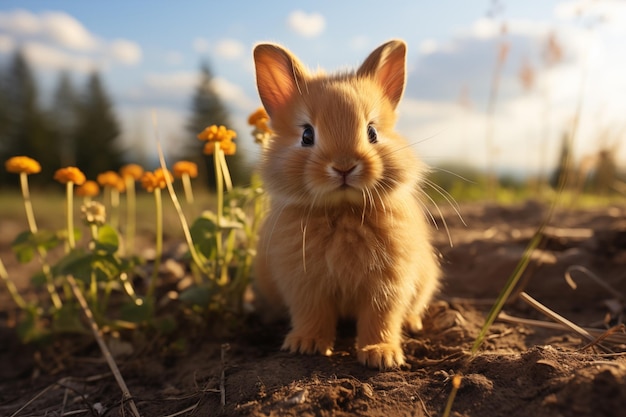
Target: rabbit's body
[[345, 235]]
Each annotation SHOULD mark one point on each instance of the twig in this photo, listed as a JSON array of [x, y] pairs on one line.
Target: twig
[[605, 336], [558, 318], [103, 347], [181, 412], [225, 347], [594, 277], [29, 402], [613, 338]]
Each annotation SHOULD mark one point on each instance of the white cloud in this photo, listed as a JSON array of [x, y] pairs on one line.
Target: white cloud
[[63, 41], [177, 85], [306, 25], [229, 49], [428, 46], [465, 62], [125, 52], [66, 31], [610, 14], [44, 56], [233, 94], [20, 21]]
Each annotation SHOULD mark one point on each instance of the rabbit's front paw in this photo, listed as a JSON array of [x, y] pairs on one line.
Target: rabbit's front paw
[[307, 344], [381, 356]]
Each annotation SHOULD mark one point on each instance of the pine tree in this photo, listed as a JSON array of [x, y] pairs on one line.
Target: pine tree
[[26, 131], [64, 112], [97, 131], [208, 109]]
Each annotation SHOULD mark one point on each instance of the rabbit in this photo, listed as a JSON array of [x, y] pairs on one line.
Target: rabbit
[[345, 235]]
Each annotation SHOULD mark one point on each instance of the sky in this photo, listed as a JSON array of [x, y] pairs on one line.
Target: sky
[[149, 54]]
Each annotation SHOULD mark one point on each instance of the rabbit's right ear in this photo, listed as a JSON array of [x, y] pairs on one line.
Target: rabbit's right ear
[[279, 75]]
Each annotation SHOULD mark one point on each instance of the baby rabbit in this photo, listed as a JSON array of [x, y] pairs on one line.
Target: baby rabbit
[[346, 235]]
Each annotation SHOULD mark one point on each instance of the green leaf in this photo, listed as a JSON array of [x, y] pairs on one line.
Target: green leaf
[[38, 279], [106, 266], [166, 324], [108, 240], [33, 327], [77, 262], [197, 296], [203, 236], [67, 320], [23, 247], [26, 243], [137, 313], [82, 264]]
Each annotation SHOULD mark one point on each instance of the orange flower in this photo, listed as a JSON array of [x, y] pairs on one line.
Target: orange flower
[[70, 174], [161, 175], [88, 189], [22, 164], [216, 133], [157, 179], [260, 119], [185, 167], [131, 170], [228, 147], [148, 181], [111, 179]]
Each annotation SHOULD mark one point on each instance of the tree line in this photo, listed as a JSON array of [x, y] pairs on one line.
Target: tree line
[[80, 127]]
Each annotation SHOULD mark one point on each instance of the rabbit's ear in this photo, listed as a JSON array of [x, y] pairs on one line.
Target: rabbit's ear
[[279, 75], [387, 65]]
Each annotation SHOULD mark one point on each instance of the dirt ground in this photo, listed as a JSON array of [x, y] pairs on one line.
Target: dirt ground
[[521, 370]]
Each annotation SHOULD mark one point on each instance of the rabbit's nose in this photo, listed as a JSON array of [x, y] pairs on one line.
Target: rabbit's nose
[[344, 172]]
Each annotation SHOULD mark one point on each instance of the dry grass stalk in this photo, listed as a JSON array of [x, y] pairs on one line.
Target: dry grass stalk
[[612, 337], [127, 397], [568, 278], [606, 335], [560, 319], [225, 348]]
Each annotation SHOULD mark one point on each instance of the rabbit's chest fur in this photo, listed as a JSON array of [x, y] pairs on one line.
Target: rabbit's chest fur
[[348, 255]]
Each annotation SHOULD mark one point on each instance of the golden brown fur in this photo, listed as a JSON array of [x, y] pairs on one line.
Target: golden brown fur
[[345, 235]]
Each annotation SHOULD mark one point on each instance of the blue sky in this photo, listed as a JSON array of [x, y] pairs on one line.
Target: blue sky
[[149, 54]]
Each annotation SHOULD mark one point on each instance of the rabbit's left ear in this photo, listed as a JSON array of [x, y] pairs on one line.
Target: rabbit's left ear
[[279, 76], [387, 65]]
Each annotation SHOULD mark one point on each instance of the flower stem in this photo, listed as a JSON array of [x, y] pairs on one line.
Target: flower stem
[[115, 207], [21, 303], [187, 186], [32, 225], [28, 205], [93, 287], [159, 240], [130, 214], [219, 184], [70, 214]]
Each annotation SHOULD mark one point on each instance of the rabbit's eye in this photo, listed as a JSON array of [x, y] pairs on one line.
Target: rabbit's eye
[[308, 136], [372, 134]]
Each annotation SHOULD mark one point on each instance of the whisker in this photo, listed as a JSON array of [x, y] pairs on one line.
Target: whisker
[[427, 213], [443, 219], [448, 197], [304, 229], [380, 198], [453, 173], [364, 206]]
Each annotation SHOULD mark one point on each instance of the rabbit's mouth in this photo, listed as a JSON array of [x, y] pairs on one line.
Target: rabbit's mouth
[[345, 193]]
